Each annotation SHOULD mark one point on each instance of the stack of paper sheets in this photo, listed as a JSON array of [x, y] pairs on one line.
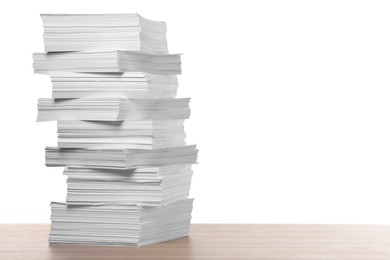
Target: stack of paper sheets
[[127, 134], [112, 109], [120, 158], [125, 85], [119, 224], [149, 186], [120, 131], [107, 61], [102, 32]]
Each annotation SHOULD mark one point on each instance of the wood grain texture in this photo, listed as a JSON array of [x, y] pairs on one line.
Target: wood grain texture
[[211, 241]]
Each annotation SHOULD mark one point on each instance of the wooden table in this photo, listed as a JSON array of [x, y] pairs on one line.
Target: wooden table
[[282, 242]]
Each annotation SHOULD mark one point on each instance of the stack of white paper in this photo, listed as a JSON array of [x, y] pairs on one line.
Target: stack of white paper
[[119, 224], [112, 109], [126, 85], [120, 158], [101, 32], [120, 131], [149, 186], [107, 61], [127, 134]]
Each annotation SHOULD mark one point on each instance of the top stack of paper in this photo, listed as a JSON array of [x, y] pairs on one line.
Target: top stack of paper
[[103, 32]]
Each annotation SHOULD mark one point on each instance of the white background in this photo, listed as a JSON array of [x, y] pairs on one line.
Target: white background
[[290, 107]]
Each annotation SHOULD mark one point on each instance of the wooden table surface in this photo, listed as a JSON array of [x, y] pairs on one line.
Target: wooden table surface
[[210, 241]]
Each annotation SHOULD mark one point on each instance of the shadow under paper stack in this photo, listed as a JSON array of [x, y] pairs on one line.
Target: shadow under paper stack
[[121, 137]]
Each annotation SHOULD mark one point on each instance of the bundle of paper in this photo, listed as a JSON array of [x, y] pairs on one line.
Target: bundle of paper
[[121, 158], [127, 85], [119, 224], [124, 134], [112, 109], [148, 186], [101, 32], [108, 61], [120, 130]]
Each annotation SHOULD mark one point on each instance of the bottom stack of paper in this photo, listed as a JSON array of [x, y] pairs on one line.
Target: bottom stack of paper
[[119, 224]]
